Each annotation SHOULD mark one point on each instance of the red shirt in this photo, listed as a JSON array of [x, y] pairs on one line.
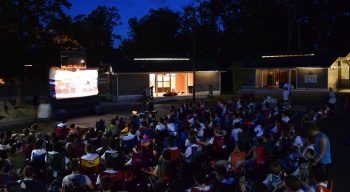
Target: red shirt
[[262, 155]]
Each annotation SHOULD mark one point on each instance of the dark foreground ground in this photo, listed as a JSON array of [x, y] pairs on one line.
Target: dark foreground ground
[[337, 128]]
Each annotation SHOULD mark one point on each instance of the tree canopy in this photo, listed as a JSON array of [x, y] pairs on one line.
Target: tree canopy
[[33, 32], [230, 29]]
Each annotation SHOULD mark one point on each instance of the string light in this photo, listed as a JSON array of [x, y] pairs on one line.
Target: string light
[[161, 59], [282, 56]]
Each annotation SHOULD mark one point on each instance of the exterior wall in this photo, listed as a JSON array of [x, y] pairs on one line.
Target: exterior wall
[[339, 76], [243, 78], [132, 84], [322, 78], [203, 79], [29, 88], [107, 84], [332, 78], [258, 78]]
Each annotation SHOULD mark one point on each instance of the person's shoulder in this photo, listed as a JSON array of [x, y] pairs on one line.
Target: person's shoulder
[[66, 178], [87, 178]]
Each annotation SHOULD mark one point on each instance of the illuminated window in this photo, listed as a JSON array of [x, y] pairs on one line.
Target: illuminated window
[[189, 79], [163, 82], [152, 82]]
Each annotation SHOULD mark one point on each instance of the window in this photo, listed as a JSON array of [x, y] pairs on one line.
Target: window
[[163, 82]]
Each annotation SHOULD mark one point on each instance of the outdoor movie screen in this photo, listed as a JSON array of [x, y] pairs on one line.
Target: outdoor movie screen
[[66, 84]]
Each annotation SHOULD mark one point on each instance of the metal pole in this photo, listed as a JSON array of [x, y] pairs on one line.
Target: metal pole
[[194, 55]]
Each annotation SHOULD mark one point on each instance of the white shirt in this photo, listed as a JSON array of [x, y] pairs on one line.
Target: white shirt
[[298, 142], [4, 147], [259, 131], [61, 125], [237, 120], [200, 131], [188, 151], [239, 105], [285, 119], [90, 156], [67, 179], [274, 129], [200, 188], [37, 152], [191, 121], [287, 85], [188, 143], [332, 98], [160, 127], [310, 146], [172, 129], [235, 133], [128, 137], [112, 152]]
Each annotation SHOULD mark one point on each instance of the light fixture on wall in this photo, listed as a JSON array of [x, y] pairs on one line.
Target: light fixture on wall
[[161, 59]]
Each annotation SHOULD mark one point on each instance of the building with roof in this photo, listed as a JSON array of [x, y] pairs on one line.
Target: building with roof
[[301, 71], [161, 75]]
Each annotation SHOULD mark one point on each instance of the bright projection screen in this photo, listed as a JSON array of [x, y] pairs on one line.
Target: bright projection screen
[[66, 84]]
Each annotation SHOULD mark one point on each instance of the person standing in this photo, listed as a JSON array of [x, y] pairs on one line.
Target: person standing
[[332, 100], [36, 103], [286, 95], [322, 146]]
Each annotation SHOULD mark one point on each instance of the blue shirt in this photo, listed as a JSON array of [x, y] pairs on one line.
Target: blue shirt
[[326, 159]]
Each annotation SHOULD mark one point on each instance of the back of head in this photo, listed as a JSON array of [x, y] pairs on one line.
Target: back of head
[[260, 187], [38, 144], [113, 144], [109, 163], [74, 165], [89, 148], [293, 183], [106, 183], [220, 170], [166, 155], [28, 171], [199, 177]]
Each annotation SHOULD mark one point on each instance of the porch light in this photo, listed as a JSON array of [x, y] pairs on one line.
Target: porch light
[[28, 65], [2, 82]]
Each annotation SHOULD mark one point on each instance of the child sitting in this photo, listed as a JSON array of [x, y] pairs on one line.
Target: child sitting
[[274, 179]]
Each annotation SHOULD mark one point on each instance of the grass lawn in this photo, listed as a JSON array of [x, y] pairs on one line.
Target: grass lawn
[[305, 101]]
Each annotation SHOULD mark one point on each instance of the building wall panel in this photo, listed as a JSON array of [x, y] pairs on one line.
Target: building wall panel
[[321, 74], [132, 84]]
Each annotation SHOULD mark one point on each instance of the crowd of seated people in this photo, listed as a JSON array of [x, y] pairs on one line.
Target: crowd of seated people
[[237, 146]]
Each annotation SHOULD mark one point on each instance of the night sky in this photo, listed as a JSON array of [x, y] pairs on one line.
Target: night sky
[[127, 9]]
